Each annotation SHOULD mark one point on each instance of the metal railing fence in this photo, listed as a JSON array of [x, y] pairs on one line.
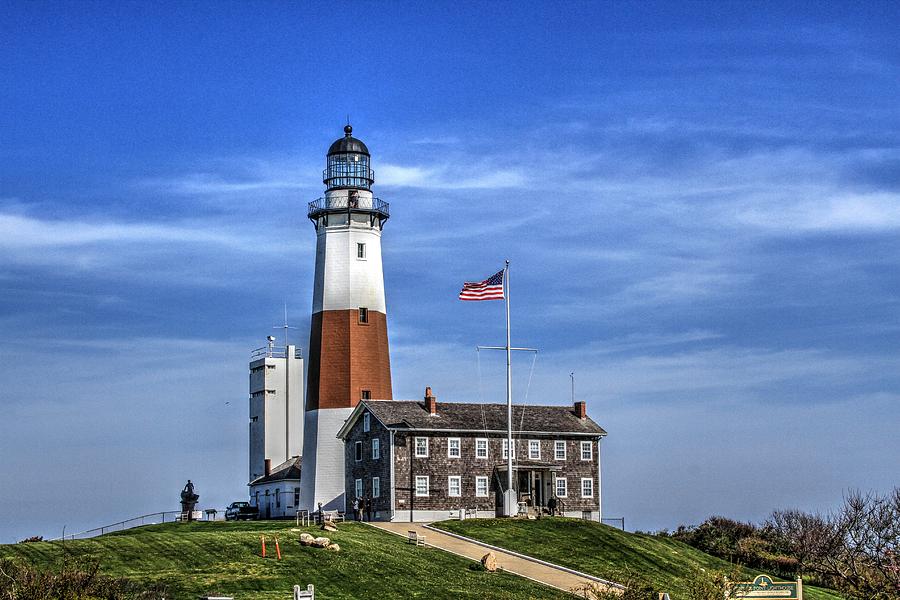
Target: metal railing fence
[[166, 516]]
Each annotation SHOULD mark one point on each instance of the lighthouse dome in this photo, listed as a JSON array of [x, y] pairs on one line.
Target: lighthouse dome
[[348, 144], [348, 164]]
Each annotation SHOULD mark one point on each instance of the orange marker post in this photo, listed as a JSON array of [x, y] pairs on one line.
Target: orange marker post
[[263, 540], [277, 548]]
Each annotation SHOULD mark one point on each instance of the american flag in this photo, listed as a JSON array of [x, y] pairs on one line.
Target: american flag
[[489, 289]]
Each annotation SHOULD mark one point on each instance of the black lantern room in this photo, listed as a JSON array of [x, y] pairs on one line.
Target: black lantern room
[[348, 164]]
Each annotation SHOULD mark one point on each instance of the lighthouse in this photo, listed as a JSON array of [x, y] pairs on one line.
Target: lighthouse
[[348, 357]]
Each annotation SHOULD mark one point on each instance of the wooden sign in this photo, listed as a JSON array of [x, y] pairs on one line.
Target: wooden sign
[[764, 587]]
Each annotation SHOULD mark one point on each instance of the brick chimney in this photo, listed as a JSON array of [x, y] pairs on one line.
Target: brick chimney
[[430, 402], [268, 467], [581, 409]]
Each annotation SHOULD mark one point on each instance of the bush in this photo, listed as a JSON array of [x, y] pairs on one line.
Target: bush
[[712, 585], [636, 588], [756, 547], [21, 581]]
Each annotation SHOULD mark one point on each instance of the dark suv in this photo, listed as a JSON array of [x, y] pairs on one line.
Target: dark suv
[[241, 511]]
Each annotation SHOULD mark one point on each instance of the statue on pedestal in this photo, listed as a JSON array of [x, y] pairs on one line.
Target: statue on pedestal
[[188, 501]]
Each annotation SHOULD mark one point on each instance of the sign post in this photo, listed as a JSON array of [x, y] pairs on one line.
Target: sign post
[[764, 587]]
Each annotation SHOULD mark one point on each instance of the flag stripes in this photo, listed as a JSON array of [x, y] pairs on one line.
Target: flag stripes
[[489, 289]]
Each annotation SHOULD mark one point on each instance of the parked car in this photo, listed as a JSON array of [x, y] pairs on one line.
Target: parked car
[[241, 511]]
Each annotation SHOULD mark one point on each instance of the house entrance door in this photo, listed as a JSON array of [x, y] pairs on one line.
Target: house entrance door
[[538, 488]]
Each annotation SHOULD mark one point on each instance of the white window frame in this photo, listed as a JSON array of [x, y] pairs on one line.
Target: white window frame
[[450, 481], [416, 447], [589, 481], [479, 479], [487, 446], [358, 451], [376, 448], [450, 447], [590, 449], [359, 488], [376, 487], [505, 448], [534, 455], [556, 448], [360, 251], [565, 493], [367, 422], [422, 478]]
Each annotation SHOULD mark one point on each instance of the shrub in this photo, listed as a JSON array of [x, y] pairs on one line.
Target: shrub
[[21, 581], [636, 588]]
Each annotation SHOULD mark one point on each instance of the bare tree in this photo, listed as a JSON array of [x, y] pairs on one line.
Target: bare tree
[[856, 549]]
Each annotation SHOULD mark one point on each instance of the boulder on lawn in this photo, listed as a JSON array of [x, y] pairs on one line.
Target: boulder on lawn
[[306, 539], [321, 542], [333, 547], [489, 561], [329, 526]]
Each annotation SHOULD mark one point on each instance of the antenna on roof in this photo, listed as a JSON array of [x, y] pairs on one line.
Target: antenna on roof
[[572, 375], [285, 327]]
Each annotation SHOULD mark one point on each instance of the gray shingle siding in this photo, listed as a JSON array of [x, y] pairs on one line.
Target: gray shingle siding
[[468, 422]]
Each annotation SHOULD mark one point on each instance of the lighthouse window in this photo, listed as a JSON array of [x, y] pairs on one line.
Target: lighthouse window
[[363, 315], [360, 250], [367, 395]]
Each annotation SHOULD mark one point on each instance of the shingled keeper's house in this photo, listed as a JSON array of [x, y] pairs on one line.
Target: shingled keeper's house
[[429, 460]]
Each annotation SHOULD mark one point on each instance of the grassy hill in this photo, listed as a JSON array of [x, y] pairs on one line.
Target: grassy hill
[[600, 550], [223, 559]]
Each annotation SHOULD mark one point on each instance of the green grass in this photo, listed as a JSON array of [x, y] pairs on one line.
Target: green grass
[[195, 559], [600, 550]]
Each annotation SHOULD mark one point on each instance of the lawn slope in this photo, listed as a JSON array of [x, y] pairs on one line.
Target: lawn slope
[[600, 550], [195, 559]]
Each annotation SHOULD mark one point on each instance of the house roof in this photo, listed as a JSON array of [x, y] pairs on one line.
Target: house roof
[[465, 416], [290, 469]]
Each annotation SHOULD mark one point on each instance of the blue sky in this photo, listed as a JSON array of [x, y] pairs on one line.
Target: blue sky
[[701, 203]]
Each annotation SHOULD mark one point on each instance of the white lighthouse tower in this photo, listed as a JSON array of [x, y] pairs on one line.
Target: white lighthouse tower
[[348, 344]]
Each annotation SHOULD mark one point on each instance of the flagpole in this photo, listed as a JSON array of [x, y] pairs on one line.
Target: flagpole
[[509, 438]]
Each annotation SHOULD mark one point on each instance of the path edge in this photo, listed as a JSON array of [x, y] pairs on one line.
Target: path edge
[[526, 557]]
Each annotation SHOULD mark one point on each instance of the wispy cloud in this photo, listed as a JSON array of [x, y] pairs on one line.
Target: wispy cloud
[[24, 232], [847, 212], [457, 177]]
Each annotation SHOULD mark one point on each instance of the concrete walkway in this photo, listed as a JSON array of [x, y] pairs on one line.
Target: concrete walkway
[[542, 572]]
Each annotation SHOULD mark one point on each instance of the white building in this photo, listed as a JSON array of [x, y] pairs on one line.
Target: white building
[[276, 407], [277, 493]]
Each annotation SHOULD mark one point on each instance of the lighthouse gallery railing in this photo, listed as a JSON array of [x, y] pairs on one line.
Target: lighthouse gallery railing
[[351, 202]]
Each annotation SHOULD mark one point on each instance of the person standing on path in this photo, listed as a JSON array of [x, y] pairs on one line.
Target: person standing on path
[[368, 508], [362, 508], [356, 515]]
